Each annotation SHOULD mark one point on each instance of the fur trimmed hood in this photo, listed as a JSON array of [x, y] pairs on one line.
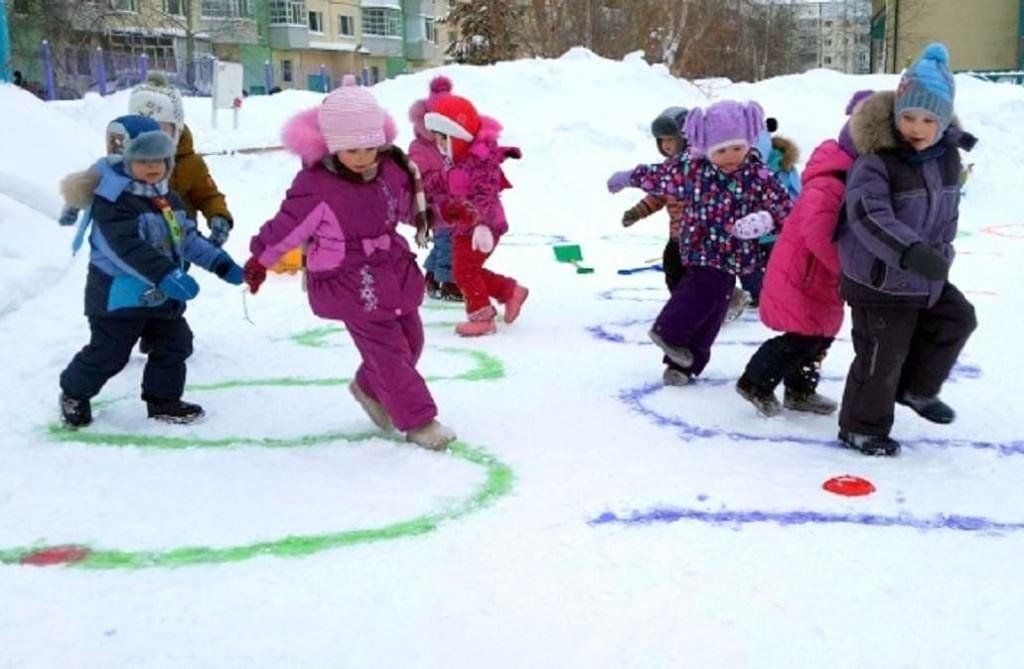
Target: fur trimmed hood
[[301, 135], [77, 188], [873, 127], [789, 150]]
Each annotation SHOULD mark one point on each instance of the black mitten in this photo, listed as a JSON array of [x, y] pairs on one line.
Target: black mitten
[[922, 259]]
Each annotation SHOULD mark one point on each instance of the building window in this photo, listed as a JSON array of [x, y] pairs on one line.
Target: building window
[[346, 26], [316, 22], [287, 12], [21, 7], [286, 70], [125, 5], [382, 22], [828, 60], [374, 74], [226, 9], [175, 7], [122, 50], [430, 30]]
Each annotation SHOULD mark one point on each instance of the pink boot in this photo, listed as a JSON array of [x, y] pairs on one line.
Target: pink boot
[[481, 322], [515, 303]]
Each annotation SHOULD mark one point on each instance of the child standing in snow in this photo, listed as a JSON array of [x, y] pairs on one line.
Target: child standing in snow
[[895, 249], [141, 243], [345, 205], [801, 287], [730, 199], [473, 208], [433, 165]]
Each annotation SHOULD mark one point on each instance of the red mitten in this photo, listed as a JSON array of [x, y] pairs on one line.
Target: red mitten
[[458, 213], [255, 274]]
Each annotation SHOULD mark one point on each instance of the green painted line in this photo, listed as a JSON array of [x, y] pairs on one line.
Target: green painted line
[[314, 338]]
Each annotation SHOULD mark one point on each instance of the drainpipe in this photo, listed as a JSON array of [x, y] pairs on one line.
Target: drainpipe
[[1020, 36], [895, 35], [5, 44]]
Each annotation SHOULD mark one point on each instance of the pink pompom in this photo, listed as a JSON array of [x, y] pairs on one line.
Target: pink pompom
[[301, 135], [440, 84], [349, 80], [390, 129]]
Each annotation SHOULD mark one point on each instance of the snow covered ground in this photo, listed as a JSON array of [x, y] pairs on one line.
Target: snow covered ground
[[588, 517]]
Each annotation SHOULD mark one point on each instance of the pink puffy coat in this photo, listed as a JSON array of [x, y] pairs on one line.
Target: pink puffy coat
[[801, 285]]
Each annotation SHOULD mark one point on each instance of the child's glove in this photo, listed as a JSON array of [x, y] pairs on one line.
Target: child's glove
[[220, 228], [483, 239], [925, 261], [458, 213], [177, 285], [619, 180], [513, 152], [68, 215], [255, 274], [227, 269], [630, 217], [458, 183], [752, 225]]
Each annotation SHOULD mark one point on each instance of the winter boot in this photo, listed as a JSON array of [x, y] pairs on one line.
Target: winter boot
[[929, 408], [737, 303], [374, 409], [432, 287], [480, 323], [675, 377], [764, 400], [515, 303], [174, 411], [810, 402], [450, 292], [433, 436], [677, 354], [75, 413], [870, 444]]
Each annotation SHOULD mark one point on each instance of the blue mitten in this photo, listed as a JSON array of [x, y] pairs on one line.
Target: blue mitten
[[68, 215], [227, 269], [220, 228], [177, 285]]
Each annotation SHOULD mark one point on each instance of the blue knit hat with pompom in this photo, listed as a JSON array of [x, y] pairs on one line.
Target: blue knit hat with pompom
[[928, 85]]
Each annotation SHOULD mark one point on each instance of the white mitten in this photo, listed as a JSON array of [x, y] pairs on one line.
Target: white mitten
[[483, 239], [753, 225]]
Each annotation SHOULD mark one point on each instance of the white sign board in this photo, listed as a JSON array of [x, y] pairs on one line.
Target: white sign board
[[227, 85]]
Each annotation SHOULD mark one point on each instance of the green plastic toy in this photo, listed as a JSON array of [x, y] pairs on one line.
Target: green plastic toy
[[572, 254]]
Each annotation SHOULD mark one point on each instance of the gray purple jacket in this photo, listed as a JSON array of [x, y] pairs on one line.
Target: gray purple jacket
[[896, 197]]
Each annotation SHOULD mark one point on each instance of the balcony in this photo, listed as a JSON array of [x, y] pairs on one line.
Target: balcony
[[422, 50]]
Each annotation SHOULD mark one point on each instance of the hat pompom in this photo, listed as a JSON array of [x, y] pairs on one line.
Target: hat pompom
[[349, 80], [301, 135], [754, 116], [157, 79], [440, 84], [694, 129], [936, 51], [856, 98], [390, 129]]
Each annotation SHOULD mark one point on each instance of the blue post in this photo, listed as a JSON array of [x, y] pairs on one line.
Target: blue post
[[268, 76], [143, 67], [50, 89], [323, 78], [101, 72], [5, 44], [366, 76]]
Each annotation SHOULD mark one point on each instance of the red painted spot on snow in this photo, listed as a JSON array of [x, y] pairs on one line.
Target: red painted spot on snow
[[849, 486], [1010, 230], [46, 557]]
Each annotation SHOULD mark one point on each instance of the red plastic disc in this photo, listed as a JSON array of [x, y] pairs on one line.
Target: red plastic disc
[[849, 486], [45, 557]]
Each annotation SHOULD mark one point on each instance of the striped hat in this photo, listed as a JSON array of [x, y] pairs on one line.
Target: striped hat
[[928, 86], [350, 118]]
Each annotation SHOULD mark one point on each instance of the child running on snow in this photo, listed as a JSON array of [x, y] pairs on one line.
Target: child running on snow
[[895, 249], [423, 151], [473, 208], [730, 199], [140, 245], [801, 288], [345, 205]]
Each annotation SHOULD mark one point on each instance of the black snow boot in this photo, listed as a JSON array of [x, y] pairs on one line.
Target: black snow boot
[[764, 400], [929, 408], [870, 444], [174, 411], [75, 412]]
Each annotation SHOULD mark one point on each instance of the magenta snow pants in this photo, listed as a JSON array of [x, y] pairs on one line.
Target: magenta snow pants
[[388, 374]]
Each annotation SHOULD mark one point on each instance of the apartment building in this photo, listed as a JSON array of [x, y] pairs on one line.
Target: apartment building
[[834, 35], [982, 35]]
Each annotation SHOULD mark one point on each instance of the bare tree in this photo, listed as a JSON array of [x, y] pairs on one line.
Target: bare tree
[[486, 32]]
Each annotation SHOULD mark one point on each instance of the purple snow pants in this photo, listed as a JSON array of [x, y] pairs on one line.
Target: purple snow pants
[[695, 311], [388, 374]]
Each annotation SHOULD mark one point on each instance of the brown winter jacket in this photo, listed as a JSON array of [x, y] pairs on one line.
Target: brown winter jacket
[[192, 181]]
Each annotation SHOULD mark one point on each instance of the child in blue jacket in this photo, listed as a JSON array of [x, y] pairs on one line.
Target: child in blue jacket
[[141, 242]]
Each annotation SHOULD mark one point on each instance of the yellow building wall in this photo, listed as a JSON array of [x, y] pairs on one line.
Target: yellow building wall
[[980, 34]]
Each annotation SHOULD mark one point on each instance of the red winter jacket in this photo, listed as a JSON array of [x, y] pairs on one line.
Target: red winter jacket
[[801, 286]]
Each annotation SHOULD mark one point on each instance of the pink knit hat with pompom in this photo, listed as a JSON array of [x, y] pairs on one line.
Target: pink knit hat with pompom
[[350, 118]]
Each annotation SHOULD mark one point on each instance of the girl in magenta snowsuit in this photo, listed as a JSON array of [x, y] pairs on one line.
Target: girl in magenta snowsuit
[[729, 198], [344, 207], [472, 207]]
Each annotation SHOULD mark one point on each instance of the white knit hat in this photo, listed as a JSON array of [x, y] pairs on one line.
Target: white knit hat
[[157, 99]]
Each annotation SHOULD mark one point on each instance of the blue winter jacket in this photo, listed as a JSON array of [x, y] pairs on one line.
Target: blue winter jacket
[[132, 247]]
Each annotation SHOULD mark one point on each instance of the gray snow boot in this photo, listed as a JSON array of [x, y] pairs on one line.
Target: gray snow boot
[[808, 402], [374, 409], [764, 400], [870, 444], [676, 377], [737, 304], [677, 354], [433, 436]]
